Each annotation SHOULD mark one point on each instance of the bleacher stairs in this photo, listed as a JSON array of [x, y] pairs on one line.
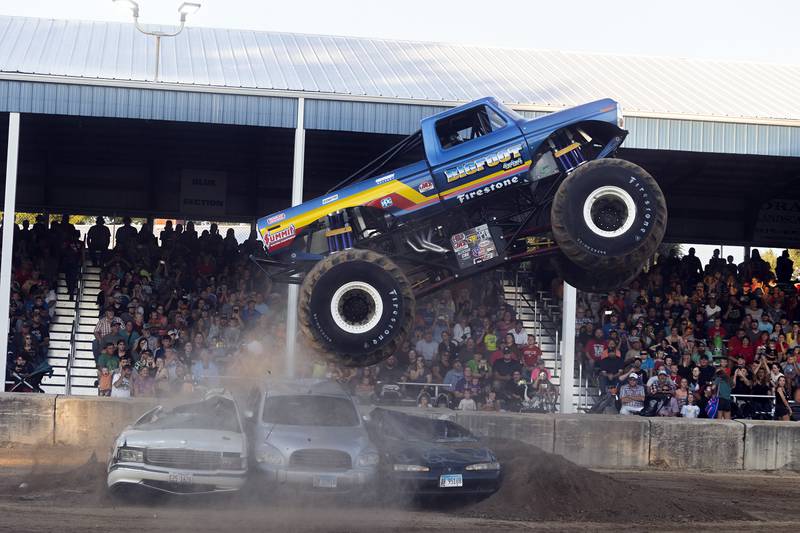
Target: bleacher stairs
[[541, 315], [78, 365]]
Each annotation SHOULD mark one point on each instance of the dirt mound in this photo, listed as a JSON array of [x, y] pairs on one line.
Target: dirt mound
[[542, 486]]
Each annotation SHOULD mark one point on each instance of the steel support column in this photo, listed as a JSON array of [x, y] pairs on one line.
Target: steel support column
[[567, 351], [9, 220], [297, 198]]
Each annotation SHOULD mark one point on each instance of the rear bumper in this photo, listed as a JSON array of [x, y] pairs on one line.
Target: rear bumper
[[203, 482], [310, 479]]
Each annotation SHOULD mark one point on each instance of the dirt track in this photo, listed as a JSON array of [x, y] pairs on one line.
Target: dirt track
[[769, 500]]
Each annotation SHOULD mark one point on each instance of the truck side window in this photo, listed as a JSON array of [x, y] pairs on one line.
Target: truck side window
[[468, 125]]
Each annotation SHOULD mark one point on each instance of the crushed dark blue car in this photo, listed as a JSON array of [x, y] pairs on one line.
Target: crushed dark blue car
[[428, 456]]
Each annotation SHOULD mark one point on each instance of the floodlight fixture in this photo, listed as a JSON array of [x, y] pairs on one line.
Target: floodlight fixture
[[128, 4], [188, 8]]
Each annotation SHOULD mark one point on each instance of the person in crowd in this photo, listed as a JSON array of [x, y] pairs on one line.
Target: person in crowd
[[631, 396]]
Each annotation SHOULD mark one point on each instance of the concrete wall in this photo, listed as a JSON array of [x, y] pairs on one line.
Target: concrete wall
[[26, 419], [602, 440], [771, 445], [697, 443], [597, 441]]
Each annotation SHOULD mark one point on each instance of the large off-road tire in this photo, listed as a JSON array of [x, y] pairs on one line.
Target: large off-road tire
[[609, 214], [356, 307], [596, 279]]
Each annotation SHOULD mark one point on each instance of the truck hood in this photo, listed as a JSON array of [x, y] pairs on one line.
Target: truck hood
[[190, 439]]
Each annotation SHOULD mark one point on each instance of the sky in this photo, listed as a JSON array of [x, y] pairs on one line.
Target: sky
[[763, 31]]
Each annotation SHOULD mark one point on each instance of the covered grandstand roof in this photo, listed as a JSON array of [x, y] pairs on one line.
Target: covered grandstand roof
[[318, 66]]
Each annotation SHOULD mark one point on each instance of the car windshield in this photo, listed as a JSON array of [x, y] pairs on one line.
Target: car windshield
[[405, 427], [301, 410], [217, 413]]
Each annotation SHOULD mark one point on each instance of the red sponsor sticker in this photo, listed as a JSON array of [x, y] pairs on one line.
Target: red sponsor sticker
[[426, 186], [279, 237]]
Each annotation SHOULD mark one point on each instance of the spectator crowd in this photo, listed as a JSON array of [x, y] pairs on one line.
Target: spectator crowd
[[683, 339], [180, 311]]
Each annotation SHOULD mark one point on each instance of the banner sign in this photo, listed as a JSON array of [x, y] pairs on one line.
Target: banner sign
[[203, 192]]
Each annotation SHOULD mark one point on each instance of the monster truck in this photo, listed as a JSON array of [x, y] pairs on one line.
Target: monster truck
[[488, 187]]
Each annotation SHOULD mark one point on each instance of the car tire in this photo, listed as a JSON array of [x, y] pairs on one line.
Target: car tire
[[356, 307], [595, 279], [608, 214]]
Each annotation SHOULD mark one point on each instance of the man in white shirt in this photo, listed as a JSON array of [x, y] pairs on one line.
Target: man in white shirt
[[520, 335], [121, 383]]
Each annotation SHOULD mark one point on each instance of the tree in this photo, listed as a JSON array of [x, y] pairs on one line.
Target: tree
[[770, 257]]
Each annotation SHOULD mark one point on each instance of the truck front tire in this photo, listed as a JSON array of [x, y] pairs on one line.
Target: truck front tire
[[609, 214], [356, 307]]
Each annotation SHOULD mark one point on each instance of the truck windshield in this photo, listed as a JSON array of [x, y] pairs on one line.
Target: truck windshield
[[328, 411]]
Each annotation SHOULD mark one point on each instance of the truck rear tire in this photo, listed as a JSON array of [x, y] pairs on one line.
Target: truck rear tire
[[356, 307], [609, 214], [595, 279]]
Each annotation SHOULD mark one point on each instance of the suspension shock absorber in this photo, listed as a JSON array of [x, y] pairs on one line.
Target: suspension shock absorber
[[567, 151], [339, 234]]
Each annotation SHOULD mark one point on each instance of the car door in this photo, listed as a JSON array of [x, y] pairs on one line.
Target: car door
[[476, 151]]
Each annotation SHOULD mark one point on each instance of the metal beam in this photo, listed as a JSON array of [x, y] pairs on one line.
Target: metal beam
[[297, 198], [9, 221], [567, 382]]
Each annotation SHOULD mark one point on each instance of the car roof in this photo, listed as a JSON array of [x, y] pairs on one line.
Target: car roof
[[306, 386]]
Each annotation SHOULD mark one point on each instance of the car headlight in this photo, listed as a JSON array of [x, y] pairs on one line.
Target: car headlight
[[270, 455], [368, 459], [232, 461], [411, 468], [483, 466], [130, 455]]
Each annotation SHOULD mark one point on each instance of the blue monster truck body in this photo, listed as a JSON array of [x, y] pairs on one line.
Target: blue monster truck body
[[493, 188]]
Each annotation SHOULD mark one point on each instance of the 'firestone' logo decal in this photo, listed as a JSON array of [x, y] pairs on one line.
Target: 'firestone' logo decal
[[278, 237], [491, 160], [496, 186]]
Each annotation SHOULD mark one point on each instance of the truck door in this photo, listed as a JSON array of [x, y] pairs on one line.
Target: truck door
[[474, 152]]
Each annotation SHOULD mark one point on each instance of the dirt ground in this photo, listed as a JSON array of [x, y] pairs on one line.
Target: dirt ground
[[541, 492]]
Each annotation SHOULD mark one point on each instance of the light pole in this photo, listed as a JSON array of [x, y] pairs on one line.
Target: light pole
[[185, 9]]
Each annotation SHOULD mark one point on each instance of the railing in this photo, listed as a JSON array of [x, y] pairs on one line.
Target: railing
[[767, 397], [74, 331]]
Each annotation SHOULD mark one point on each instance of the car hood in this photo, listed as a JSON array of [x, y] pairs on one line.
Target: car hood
[[190, 439], [288, 439], [437, 454]]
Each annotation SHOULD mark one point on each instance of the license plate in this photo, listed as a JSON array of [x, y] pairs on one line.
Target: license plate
[[181, 478], [451, 480], [325, 482]]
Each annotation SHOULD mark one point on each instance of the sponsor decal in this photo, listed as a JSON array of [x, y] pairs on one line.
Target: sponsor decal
[[386, 203], [330, 199], [278, 237], [276, 218], [388, 177], [496, 186], [425, 186], [486, 161]]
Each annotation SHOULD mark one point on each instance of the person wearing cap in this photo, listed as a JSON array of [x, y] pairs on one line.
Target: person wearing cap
[[97, 240], [631, 396], [116, 334], [661, 384]]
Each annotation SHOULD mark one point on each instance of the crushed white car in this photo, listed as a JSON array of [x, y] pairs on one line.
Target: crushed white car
[[198, 447]]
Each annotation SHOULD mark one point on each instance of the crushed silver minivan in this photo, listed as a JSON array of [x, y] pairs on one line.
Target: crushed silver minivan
[[308, 434], [197, 447]]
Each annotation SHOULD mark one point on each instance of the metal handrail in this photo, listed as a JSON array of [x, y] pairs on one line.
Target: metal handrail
[[74, 331]]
